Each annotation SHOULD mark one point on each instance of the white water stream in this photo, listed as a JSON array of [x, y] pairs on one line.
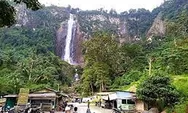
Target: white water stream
[[67, 50]]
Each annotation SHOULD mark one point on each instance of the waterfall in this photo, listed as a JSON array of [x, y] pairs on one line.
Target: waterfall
[[68, 44]]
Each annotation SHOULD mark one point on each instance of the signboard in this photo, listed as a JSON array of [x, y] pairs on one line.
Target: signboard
[[23, 96]]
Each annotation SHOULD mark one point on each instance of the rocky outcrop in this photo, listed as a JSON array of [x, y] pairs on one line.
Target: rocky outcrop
[[21, 17], [86, 23], [153, 110], [60, 39], [78, 38], [45, 17], [123, 33], [158, 28]]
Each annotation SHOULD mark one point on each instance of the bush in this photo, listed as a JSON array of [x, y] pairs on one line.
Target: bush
[[156, 90]]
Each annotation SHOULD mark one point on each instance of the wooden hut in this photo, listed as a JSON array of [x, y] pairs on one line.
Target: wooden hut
[[45, 99]]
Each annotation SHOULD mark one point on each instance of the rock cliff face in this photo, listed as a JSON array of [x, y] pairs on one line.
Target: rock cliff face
[[158, 27], [87, 22], [60, 39], [77, 49], [46, 17]]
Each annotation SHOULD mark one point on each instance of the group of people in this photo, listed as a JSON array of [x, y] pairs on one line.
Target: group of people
[[75, 110], [65, 108], [69, 110]]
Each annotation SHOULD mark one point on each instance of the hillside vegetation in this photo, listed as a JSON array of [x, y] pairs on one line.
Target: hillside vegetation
[[155, 67]]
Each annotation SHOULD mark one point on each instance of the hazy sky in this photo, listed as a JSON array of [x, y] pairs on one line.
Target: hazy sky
[[119, 5]]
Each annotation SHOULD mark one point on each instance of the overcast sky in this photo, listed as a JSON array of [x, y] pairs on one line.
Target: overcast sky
[[119, 5]]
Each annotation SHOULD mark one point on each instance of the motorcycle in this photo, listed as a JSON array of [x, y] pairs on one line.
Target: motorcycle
[[120, 110]]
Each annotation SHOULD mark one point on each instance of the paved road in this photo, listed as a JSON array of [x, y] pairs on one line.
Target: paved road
[[82, 108]]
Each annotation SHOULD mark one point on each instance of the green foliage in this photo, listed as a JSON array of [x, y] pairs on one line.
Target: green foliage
[[182, 107], [172, 8], [135, 56], [138, 22], [126, 79], [101, 63], [181, 83], [132, 76], [158, 89], [101, 72], [27, 60], [178, 27]]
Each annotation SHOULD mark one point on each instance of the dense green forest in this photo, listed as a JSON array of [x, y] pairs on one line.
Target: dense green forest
[[27, 59], [156, 69]]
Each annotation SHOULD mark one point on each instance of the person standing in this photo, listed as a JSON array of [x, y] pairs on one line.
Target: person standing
[[75, 110], [88, 104], [88, 110], [100, 101]]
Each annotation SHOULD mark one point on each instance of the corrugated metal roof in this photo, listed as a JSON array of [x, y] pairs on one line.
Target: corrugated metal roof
[[42, 95], [121, 95], [104, 93], [10, 96], [34, 95]]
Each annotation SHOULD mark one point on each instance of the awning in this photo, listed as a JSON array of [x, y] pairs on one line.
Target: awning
[[121, 95], [42, 95], [35, 95], [104, 97]]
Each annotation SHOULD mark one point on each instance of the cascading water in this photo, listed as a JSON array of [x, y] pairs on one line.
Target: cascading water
[[67, 51]]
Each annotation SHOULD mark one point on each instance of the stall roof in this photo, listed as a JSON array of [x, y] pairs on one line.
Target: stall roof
[[63, 94], [35, 95], [42, 95], [121, 95], [104, 93], [104, 97], [47, 92], [10, 96]]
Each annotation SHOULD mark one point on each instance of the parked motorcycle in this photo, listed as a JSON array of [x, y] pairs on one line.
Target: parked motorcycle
[[120, 110]]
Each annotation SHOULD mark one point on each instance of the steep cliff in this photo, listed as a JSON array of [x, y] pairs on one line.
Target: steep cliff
[[158, 27], [127, 27]]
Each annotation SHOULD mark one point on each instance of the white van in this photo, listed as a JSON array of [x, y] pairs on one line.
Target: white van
[[84, 100]]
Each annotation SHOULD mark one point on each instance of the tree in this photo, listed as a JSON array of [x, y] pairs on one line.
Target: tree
[[101, 48], [134, 55], [101, 72], [101, 53], [157, 90], [7, 11], [88, 81]]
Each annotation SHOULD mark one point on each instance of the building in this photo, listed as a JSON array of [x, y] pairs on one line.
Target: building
[[123, 100], [45, 99]]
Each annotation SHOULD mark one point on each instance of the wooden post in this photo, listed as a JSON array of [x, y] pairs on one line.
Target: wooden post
[[57, 87], [150, 64]]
